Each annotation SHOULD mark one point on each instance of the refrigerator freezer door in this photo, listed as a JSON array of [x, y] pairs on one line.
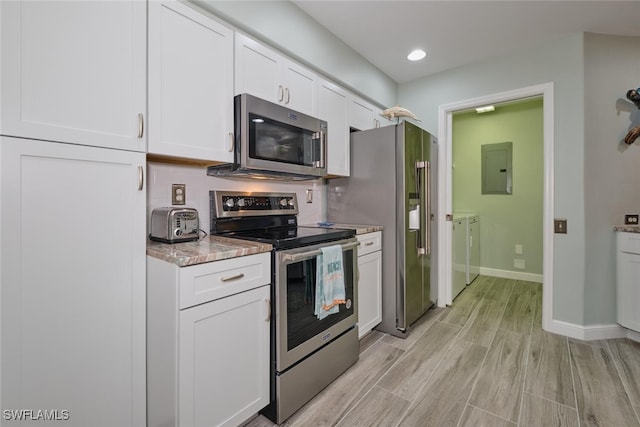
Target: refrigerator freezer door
[[413, 260]]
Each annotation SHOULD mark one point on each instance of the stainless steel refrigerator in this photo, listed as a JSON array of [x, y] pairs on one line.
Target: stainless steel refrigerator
[[391, 185]]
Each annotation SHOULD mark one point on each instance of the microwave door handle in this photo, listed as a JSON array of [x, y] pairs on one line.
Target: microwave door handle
[[323, 148], [321, 137], [302, 255]]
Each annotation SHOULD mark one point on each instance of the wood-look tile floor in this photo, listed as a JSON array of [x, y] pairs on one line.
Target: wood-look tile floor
[[484, 361]]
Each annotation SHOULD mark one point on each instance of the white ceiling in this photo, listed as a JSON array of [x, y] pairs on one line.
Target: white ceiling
[[456, 33]]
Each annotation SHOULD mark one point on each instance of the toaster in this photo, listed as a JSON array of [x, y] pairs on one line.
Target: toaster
[[173, 225]]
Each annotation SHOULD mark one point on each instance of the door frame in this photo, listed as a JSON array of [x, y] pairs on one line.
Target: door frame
[[445, 188]]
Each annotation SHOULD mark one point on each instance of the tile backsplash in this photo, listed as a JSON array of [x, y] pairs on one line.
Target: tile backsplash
[[198, 184]]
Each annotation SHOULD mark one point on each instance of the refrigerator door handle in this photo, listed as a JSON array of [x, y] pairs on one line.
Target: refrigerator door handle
[[427, 208], [424, 168]]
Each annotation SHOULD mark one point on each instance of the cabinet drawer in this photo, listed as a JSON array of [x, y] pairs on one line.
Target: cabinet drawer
[[369, 242], [629, 242], [219, 279]]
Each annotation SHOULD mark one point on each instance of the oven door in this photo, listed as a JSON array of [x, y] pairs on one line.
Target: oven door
[[298, 330]]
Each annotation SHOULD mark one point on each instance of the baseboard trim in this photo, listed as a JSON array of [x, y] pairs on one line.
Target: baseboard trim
[[633, 335], [509, 274], [592, 332]]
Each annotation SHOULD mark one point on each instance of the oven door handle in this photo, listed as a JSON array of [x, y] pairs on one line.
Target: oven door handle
[[309, 254]]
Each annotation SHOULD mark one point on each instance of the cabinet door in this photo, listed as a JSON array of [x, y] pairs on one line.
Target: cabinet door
[[629, 290], [299, 88], [73, 281], [361, 114], [224, 360], [75, 72], [257, 70], [333, 107], [265, 73], [369, 292], [190, 84]]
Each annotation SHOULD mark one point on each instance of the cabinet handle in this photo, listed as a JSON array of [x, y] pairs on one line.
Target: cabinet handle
[[287, 96], [368, 243], [140, 178], [280, 93], [268, 318], [232, 144], [140, 125], [229, 279]]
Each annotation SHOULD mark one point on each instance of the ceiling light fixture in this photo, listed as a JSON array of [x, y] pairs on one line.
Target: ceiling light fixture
[[416, 55], [486, 109]]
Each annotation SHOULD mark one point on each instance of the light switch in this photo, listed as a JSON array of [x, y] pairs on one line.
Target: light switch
[[560, 226]]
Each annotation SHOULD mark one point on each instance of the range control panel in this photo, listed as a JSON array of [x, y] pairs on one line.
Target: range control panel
[[230, 204]]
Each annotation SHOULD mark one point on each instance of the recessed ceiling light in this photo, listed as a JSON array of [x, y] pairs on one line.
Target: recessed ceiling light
[[486, 109], [416, 55]]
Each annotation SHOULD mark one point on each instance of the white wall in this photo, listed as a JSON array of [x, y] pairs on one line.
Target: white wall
[[560, 62], [612, 169], [289, 29], [198, 185]]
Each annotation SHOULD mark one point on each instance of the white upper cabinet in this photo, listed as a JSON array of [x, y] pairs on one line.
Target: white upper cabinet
[[333, 107], [74, 72], [265, 73], [364, 116], [361, 114], [190, 84]]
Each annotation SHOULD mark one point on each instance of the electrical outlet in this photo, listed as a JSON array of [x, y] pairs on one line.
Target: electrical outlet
[[519, 250], [519, 263], [309, 195], [560, 226], [631, 219], [178, 194]]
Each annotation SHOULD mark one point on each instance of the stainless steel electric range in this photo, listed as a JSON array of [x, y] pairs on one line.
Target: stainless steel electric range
[[307, 354]]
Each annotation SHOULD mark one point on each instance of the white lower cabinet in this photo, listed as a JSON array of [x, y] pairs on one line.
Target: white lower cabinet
[[208, 341], [72, 294], [369, 282], [628, 281]]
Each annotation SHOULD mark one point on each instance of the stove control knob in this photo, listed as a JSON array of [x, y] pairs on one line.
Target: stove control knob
[[241, 203], [283, 203], [229, 203], [291, 203]]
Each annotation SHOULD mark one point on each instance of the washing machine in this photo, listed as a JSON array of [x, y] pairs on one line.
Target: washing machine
[[459, 258], [473, 248]]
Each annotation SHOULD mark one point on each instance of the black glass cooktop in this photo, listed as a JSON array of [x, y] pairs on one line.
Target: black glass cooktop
[[293, 237]]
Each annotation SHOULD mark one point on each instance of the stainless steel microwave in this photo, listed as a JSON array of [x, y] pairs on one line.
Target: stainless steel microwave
[[274, 141]]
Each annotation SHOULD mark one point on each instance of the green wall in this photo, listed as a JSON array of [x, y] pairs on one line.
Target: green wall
[[505, 220]]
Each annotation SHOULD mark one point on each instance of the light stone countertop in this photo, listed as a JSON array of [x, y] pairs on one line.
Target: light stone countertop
[[360, 229], [210, 248], [627, 228]]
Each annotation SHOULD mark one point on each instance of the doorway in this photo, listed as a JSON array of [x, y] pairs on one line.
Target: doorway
[[445, 187]]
